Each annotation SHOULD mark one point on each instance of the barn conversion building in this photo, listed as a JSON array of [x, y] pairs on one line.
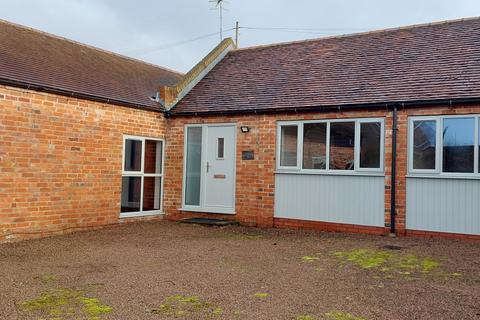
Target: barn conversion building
[[374, 132]]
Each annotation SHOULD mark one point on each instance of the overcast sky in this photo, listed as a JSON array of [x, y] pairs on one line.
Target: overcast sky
[[147, 29]]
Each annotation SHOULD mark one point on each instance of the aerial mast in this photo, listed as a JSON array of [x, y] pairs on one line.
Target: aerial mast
[[219, 7]]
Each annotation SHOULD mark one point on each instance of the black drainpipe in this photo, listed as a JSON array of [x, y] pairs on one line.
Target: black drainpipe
[[394, 173]]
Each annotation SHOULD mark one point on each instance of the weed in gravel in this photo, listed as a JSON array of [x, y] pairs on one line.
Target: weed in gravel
[[337, 315], [389, 263], [60, 303], [186, 306], [261, 295]]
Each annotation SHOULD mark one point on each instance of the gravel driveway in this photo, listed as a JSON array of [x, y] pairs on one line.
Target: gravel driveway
[[165, 270]]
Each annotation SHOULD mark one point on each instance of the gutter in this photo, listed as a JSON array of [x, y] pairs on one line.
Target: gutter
[[72, 94], [379, 105]]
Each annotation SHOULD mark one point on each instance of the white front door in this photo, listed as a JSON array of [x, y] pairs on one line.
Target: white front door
[[209, 180]]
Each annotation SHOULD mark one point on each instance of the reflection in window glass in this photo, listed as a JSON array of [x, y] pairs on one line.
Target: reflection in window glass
[[153, 156], [314, 145], [131, 188], [342, 145], [193, 167], [152, 187], [288, 146], [424, 144], [458, 144], [133, 155], [370, 143]]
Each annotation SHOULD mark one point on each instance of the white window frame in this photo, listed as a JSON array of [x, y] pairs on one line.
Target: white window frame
[[357, 169], [438, 172], [299, 145], [142, 175]]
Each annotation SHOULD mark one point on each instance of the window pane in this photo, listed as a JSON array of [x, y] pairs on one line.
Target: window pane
[[370, 144], [424, 144], [133, 155], [220, 148], [314, 146], [342, 145], [458, 144], [288, 147], [151, 193], [131, 187], [153, 156], [193, 167]]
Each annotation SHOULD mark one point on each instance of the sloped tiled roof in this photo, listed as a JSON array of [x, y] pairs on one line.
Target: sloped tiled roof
[[417, 63], [32, 58]]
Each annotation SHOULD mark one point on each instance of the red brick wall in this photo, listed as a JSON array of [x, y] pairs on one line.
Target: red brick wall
[[255, 179], [61, 161]]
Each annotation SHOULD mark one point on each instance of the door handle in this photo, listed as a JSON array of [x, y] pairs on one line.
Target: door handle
[[208, 166]]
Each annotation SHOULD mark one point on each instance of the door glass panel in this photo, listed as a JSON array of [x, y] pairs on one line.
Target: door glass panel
[[370, 144], [288, 146], [342, 146], [220, 148], [133, 155], [424, 144], [458, 144], [151, 193], [193, 166], [314, 145], [131, 188], [153, 156]]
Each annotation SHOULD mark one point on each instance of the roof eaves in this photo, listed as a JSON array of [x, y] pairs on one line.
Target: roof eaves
[[376, 105], [78, 95]]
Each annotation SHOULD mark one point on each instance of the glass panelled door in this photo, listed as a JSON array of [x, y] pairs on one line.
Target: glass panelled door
[[209, 175]]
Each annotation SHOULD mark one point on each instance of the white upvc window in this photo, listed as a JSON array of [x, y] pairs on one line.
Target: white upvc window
[[444, 145], [142, 176], [345, 146]]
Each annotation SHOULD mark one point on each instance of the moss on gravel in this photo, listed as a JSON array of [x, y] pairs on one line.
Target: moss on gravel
[[179, 306], [304, 317], [309, 258], [66, 304], [261, 295], [365, 258], [389, 262]]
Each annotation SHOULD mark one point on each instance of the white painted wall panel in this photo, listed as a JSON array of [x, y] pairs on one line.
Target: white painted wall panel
[[443, 205], [330, 198]]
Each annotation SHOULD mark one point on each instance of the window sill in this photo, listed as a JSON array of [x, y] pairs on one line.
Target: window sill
[[333, 173], [124, 215], [444, 176]]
